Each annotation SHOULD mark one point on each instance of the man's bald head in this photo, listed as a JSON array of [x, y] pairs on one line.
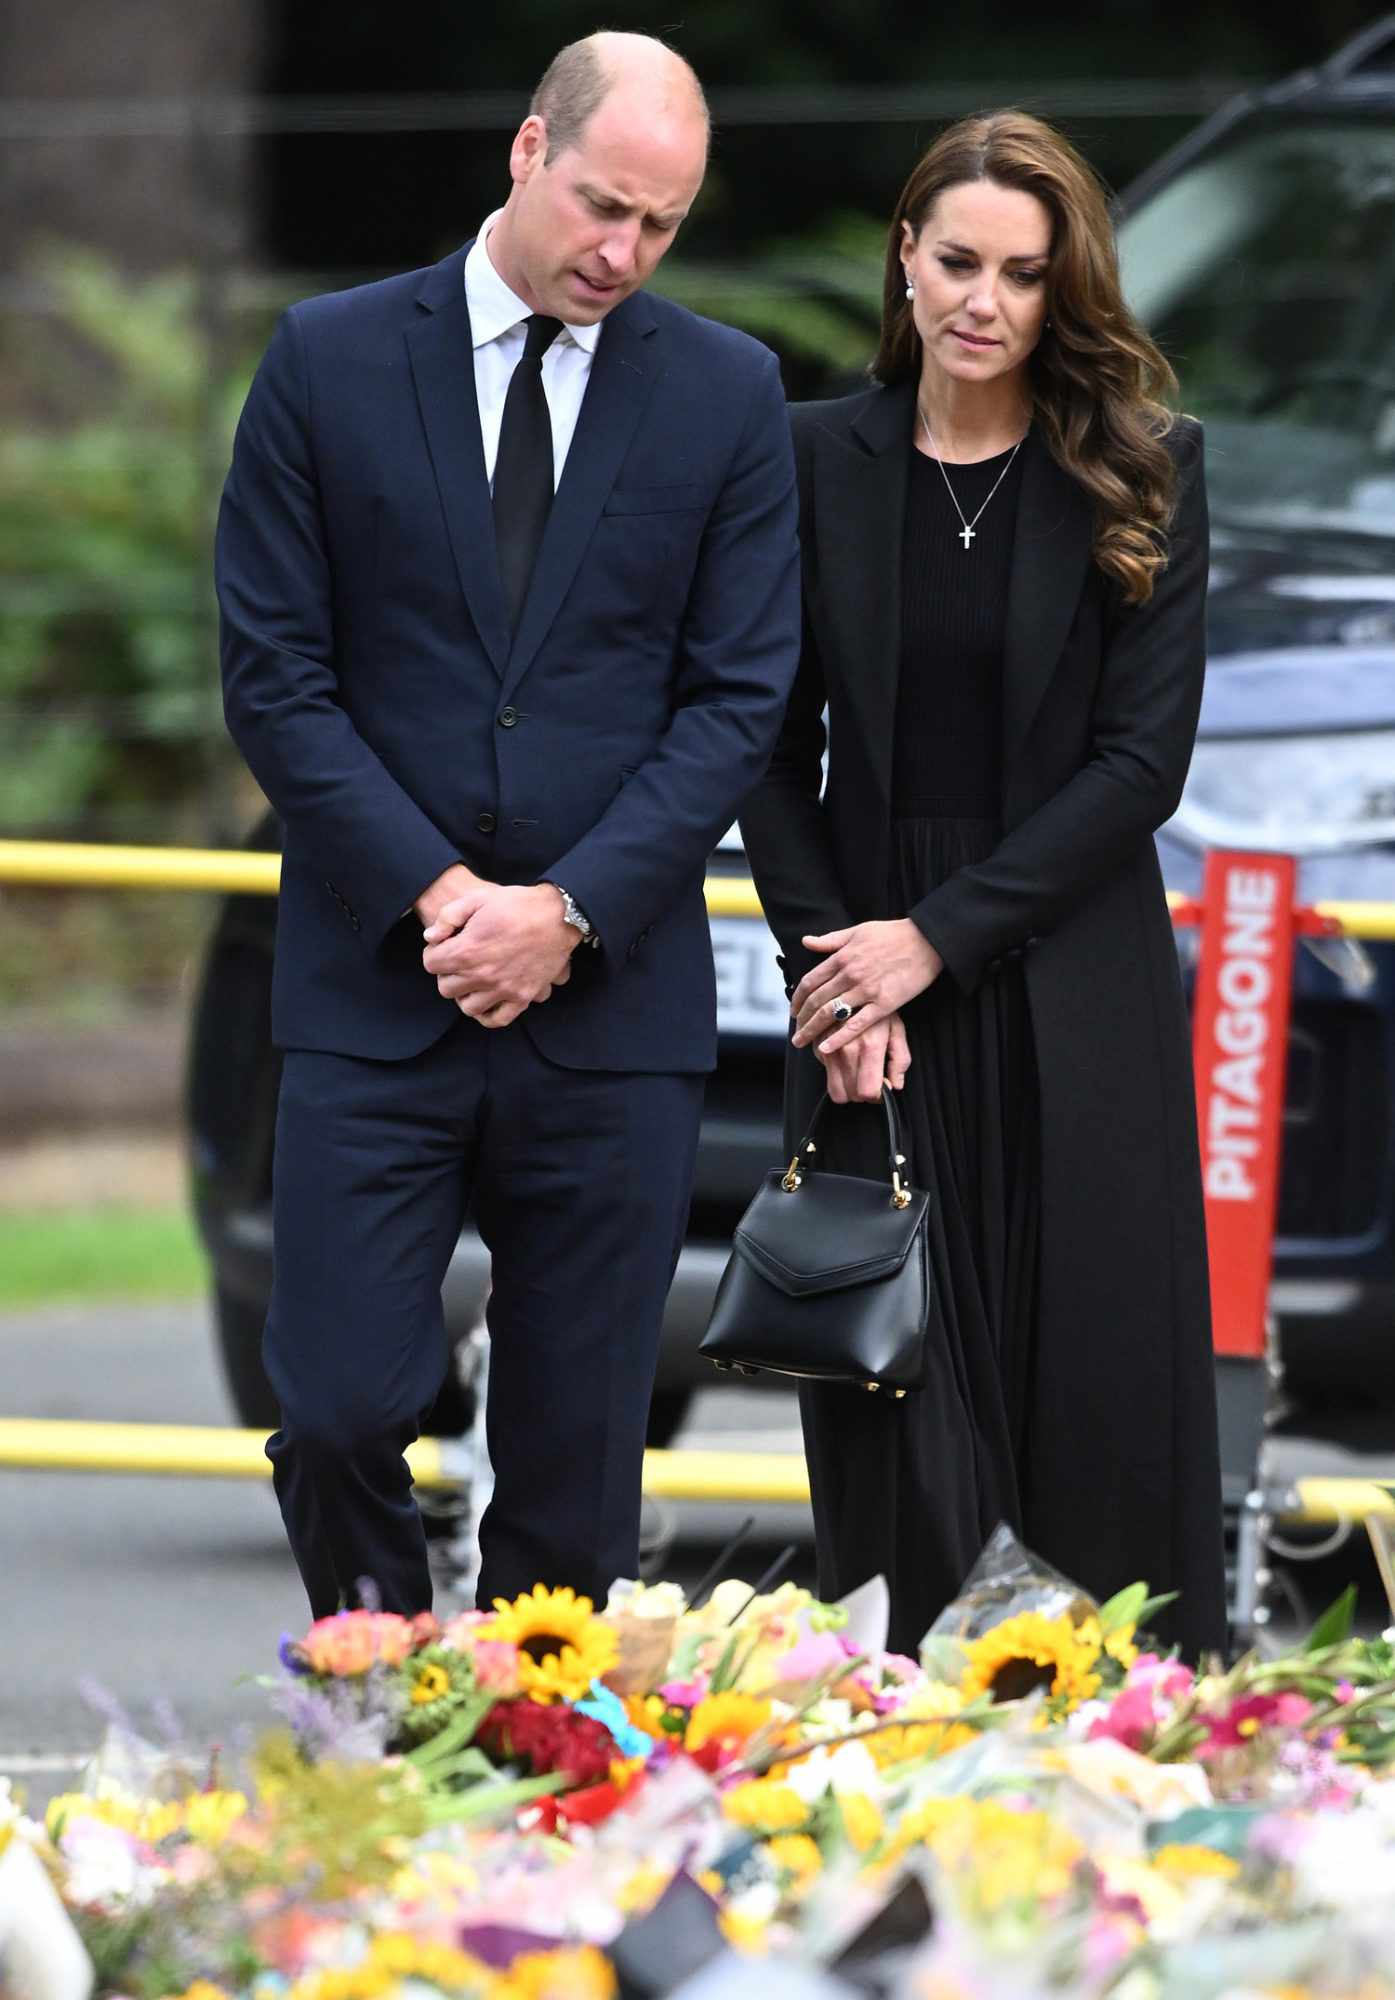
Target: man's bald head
[[581, 76]]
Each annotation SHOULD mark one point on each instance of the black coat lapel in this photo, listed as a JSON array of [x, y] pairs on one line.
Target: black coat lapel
[[859, 513], [622, 373], [443, 368], [1050, 561]]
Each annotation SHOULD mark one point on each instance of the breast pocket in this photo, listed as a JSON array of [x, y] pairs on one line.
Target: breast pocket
[[647, 541], [656, 499]]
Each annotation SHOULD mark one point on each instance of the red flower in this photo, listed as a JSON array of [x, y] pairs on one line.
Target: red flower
[[549, 1738]]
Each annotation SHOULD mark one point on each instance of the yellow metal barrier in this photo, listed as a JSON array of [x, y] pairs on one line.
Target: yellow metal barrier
[[192, 1451], [780, 1478], [70, 864], [1323, 1502]]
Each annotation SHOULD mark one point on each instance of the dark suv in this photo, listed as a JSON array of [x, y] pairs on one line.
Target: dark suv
[[1261, 251]]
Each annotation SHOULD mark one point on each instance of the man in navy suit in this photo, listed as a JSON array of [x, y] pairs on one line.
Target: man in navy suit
[[508, 578]]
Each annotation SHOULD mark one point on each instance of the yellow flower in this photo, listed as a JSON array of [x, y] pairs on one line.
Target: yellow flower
[[430, 1683], [204, 1989], [725, 1718], [643, 1889], [562, 1645], [578, 1973], [1179, 1860], [922, 1740], [646, 1712], [998, 1856], [1119, 1646], [796, 1855], [149, 1820], [766, 1806], [1028, 1652], [210, 1816], [862, 1822], [743, 1932], [392, 1958]]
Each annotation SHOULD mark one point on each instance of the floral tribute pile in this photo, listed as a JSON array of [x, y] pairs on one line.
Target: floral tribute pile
[[743, 1795]]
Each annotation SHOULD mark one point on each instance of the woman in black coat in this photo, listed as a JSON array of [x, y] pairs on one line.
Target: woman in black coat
[[1005, 560]]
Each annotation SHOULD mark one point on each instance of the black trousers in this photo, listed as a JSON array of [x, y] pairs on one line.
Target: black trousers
[[579, 1181]]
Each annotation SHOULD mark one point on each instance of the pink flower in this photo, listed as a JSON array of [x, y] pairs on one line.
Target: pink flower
[[353, 1641], [1168, 1680], [1130, 1719], [685, 1694], [1250, 1717], [496, 1666], [812, 1658]]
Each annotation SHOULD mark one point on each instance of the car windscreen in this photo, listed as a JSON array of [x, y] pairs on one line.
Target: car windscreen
[[1266, 272]]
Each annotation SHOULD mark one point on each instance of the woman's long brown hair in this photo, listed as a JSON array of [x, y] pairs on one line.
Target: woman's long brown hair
[[1097, 380]]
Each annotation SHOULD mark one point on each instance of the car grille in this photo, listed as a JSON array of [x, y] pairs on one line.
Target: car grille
[[1335, 1120]]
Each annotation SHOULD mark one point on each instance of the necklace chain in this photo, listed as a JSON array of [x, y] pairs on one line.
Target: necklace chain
[[966, 527]]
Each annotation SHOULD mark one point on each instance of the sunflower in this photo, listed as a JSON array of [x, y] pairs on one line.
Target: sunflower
[[437, 1680], [728, 1719], [562, 1645], [1027, 1653]]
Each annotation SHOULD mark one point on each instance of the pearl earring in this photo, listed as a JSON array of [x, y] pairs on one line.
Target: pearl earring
[[910, 288]]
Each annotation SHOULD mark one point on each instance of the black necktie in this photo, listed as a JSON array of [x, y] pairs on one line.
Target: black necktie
[[523, 468]]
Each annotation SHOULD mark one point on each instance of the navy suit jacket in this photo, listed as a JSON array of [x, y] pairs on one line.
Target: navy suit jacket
[[370, 683]]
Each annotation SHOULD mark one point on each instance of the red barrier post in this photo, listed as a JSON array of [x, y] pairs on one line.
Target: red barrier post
[[1240, 1048]]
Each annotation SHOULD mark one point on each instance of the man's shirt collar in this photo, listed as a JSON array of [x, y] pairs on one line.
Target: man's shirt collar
[[495, 306]]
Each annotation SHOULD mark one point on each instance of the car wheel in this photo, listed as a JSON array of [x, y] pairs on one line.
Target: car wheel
[[667, 1409], [240, 1348]]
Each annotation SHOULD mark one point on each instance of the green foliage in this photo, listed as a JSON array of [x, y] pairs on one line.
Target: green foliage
[[97, 1254], [1335, 1624], [815, 298], [107, 677]]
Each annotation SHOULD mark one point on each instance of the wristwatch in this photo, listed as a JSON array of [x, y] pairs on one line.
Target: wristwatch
[[573, 914]]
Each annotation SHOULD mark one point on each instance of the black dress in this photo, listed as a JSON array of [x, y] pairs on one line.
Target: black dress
[[916, 1486]]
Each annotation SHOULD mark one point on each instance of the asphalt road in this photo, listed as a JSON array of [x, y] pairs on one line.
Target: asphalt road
[[162, 1595]]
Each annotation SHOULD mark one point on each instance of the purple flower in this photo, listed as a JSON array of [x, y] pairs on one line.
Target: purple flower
[[290, 1655]]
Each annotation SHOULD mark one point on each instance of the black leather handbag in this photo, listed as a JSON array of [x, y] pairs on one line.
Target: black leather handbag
[[829, 1275]]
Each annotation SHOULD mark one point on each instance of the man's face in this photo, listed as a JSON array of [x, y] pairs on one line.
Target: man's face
[[581, 234]]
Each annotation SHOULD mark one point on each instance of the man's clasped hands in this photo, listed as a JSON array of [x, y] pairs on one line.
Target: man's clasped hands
[[496, 950]]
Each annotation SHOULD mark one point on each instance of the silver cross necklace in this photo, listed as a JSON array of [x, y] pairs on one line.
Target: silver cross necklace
[[966, 528]]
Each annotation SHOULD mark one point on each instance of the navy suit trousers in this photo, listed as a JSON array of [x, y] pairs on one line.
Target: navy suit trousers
[[579, 1182]]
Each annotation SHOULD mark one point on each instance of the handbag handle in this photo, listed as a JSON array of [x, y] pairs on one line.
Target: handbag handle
[[896, 1158]]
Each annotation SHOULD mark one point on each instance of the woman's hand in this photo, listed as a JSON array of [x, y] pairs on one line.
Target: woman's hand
[[874, 967], [881, 1056]]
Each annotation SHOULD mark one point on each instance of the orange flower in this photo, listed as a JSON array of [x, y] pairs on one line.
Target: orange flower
[[353, 1641]]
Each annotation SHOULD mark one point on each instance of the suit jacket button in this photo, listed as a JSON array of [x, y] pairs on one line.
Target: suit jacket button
[[507, 717], [485, 823]]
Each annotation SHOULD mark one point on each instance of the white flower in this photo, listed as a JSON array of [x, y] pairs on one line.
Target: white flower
[[851, 1768], [1343, 1865], [102, 1865]]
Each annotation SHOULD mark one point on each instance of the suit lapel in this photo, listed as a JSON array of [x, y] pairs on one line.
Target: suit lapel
[[443, 369], [859, 500], [1050, 561], [622, 373]]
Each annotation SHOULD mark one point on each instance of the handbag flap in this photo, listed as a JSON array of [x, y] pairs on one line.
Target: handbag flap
[[834, 1231]]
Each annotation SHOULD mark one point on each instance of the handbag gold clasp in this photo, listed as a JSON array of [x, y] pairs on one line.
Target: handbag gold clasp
[[900, 1196], [793, 1177]]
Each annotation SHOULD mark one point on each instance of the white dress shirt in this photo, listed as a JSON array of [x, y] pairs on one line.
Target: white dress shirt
[[496, 327]]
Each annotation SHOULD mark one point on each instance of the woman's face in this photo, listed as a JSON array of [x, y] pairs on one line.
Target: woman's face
[[979, 269]]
